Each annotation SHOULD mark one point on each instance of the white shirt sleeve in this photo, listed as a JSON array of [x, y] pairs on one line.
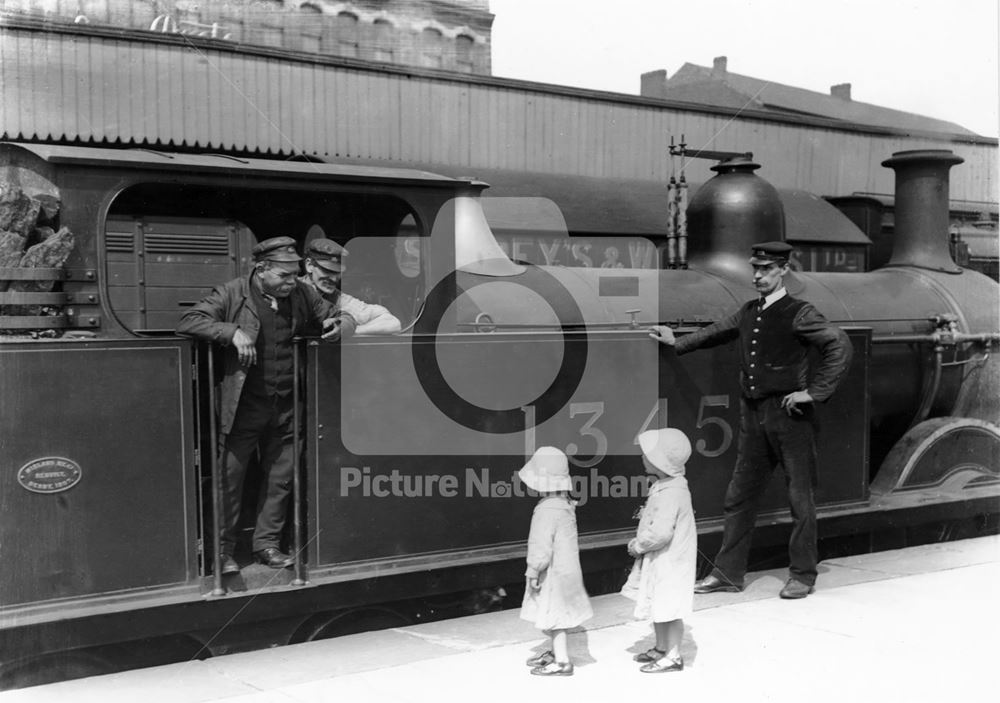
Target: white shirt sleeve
[[371, 318]]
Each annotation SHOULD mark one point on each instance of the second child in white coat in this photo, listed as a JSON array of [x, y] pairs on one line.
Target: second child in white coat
[[665, 547]]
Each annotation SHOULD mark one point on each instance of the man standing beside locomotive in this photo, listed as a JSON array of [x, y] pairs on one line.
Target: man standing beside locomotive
[[324, 270], [255, 319], [777, 422]]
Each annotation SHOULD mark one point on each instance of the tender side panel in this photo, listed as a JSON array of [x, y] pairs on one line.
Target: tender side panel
[[97, 487]]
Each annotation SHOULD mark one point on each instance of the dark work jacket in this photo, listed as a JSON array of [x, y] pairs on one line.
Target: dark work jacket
[[231, 307], [774, 346]]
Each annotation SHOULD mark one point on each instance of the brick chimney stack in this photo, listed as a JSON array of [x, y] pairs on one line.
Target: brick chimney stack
[[653, 84], [719, 67], [841, 90]]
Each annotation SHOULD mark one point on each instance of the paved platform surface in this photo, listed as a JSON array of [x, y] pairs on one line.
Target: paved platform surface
[[916, 624]]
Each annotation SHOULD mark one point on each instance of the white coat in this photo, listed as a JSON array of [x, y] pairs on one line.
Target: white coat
[[662, 580], [554, 558]]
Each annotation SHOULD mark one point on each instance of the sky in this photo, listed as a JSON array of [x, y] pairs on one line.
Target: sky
[[928, 57]]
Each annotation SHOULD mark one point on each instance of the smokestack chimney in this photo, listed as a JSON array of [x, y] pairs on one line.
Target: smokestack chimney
[[841, 90], [719, 67], [921, 219]]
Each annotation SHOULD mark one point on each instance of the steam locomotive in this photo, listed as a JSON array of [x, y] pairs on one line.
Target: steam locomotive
[[407, 487]]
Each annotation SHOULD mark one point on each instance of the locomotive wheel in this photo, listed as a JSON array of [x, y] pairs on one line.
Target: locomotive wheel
[[950, 453]]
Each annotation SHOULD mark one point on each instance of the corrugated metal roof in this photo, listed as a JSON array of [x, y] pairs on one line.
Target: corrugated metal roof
[[86, 86], [699, 83]]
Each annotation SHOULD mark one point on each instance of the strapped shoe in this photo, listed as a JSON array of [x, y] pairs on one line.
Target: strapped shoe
[[275, 558], [650, 655], [543, 659], [662, 666], [795, 589], [229, 565], [553, 669], [713, 584]]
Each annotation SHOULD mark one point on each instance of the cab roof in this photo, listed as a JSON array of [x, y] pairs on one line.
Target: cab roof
[[151, 159]]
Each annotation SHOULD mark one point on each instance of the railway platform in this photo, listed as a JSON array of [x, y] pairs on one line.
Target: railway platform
[[915, 624]]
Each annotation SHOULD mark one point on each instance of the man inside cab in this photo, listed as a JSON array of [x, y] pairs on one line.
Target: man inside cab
[[325, 267]]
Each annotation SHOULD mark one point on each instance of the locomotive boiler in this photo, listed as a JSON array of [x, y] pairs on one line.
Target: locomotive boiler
[[407, 486], [933, 389]]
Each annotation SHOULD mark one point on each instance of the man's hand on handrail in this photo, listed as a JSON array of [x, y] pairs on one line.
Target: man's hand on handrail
[[246, 351], [339, 326]]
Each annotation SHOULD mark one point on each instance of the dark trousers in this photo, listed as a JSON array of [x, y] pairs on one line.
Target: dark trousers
[[768, 435], [262, 425]]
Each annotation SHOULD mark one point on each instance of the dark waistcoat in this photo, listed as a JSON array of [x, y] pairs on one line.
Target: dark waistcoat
[[773, 360], [272, 375]]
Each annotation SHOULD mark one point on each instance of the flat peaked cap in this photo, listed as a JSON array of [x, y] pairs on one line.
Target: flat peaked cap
[[276, 249], [326, 253], [770, 253]]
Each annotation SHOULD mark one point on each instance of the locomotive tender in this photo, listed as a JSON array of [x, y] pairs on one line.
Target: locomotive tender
[[412, 442]]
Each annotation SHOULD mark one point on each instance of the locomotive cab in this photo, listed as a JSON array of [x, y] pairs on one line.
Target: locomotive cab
[[155, 232]]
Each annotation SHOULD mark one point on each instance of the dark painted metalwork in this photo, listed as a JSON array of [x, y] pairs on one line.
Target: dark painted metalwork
[[730, 213], [298, 548], [922, 209], [215, 466], [129, 523], [939, 452]]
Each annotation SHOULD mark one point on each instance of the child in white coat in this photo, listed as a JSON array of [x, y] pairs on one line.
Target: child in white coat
[[665, 548], [555, 599]]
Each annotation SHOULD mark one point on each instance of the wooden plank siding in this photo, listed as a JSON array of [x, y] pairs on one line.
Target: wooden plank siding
[[88, 86]]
